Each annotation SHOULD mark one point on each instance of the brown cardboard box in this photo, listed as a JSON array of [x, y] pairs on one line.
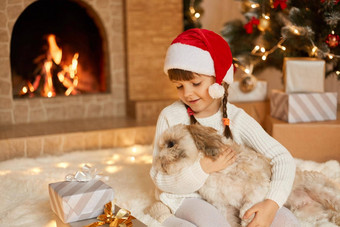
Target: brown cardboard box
[[317, 141], [258, 110]]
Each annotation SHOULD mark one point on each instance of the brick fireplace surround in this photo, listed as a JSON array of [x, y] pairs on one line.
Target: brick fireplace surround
[[137, 34]]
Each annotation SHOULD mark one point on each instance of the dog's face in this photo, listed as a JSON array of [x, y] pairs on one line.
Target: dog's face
[[177, 149]]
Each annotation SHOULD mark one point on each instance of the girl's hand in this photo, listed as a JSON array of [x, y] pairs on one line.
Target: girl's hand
[[264, 213], [227, 158]]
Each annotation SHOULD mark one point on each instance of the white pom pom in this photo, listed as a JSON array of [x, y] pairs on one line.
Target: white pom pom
[[216, 91]]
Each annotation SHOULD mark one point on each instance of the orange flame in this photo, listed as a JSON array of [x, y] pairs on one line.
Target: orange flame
[[67, 75], [55, 51]]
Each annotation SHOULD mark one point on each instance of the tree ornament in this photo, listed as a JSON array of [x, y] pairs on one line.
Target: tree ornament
[[332, 40], [263, 24], [249, 26], [248, 83], [281, 3]]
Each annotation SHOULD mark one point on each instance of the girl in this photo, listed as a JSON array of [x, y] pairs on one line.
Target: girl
[[199, 64]]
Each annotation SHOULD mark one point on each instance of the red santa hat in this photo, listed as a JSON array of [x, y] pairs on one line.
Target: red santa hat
[[203, 52]]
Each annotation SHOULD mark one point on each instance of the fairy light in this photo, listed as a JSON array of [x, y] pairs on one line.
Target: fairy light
[[330, 56], [113, 169], [254, 5], [4, 172], [35, 170], [314, 50], [132, 159], [264, 57], [256, 48], [263, 49], [282, 47], [63, 165], [337, 73]]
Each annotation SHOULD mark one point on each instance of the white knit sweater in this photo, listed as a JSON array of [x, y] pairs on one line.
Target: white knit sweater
[[245, 130]]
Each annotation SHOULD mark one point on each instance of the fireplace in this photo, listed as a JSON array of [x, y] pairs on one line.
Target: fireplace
[[74, 46], [133, 41], [57, 49]]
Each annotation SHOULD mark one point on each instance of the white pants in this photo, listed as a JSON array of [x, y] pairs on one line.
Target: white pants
[[197, 212]]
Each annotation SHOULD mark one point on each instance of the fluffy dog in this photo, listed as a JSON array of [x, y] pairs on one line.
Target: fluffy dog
[[313, 199]]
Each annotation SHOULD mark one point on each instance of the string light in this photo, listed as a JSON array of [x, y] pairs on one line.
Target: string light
[[264, 54], [282, 47], [254, 5]]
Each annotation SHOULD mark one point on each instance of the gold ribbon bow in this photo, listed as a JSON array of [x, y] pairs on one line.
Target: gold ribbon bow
[[123, 218]]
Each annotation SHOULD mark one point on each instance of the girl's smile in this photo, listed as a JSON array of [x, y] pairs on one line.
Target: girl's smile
[[194, 93]]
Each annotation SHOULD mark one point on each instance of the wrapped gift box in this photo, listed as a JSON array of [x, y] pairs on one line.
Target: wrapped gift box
[[303, 107], [74, 200], [259, 93], [82, 223], [304, 74]]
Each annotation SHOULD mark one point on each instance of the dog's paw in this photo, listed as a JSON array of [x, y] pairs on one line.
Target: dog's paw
[[158, 211]]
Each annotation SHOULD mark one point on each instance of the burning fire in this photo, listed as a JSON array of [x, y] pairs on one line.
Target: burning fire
[[53, 72]]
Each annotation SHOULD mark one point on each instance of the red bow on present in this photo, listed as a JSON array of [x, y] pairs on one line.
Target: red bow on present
[[281, 3], [249, 26]]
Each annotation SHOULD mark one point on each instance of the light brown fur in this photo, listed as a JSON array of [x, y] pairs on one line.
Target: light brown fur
[[234, 190]]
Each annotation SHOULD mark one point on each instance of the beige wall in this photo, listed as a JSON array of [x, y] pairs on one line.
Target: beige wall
[[218, 12], [150, 27]]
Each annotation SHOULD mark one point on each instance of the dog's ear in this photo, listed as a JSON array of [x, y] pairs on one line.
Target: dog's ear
[[206, 139]]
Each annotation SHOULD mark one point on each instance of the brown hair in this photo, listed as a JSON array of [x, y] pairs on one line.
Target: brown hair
[[184, 75]]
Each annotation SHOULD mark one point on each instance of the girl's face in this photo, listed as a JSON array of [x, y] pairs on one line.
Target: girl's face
[[195, 94]]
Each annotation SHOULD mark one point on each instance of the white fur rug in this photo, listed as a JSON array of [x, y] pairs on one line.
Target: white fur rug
[[24, 199]]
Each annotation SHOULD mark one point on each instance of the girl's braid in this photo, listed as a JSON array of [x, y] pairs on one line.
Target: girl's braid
[[227, 131]]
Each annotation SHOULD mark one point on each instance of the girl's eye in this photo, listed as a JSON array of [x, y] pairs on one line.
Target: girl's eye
[[179, 87], [196, 84]]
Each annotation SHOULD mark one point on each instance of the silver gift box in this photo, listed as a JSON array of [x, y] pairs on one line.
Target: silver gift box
[[304, 74], [303, 107], [75, 201]]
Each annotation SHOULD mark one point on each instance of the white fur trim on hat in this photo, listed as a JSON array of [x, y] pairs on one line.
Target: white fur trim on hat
[[216, 91], [190, 58], [229, 77]]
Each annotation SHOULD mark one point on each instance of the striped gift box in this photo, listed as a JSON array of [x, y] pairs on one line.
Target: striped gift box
[[74, 200], [303, 107]]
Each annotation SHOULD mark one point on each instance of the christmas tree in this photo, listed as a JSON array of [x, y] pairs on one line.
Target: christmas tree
[[274, 29], [192, 11]]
